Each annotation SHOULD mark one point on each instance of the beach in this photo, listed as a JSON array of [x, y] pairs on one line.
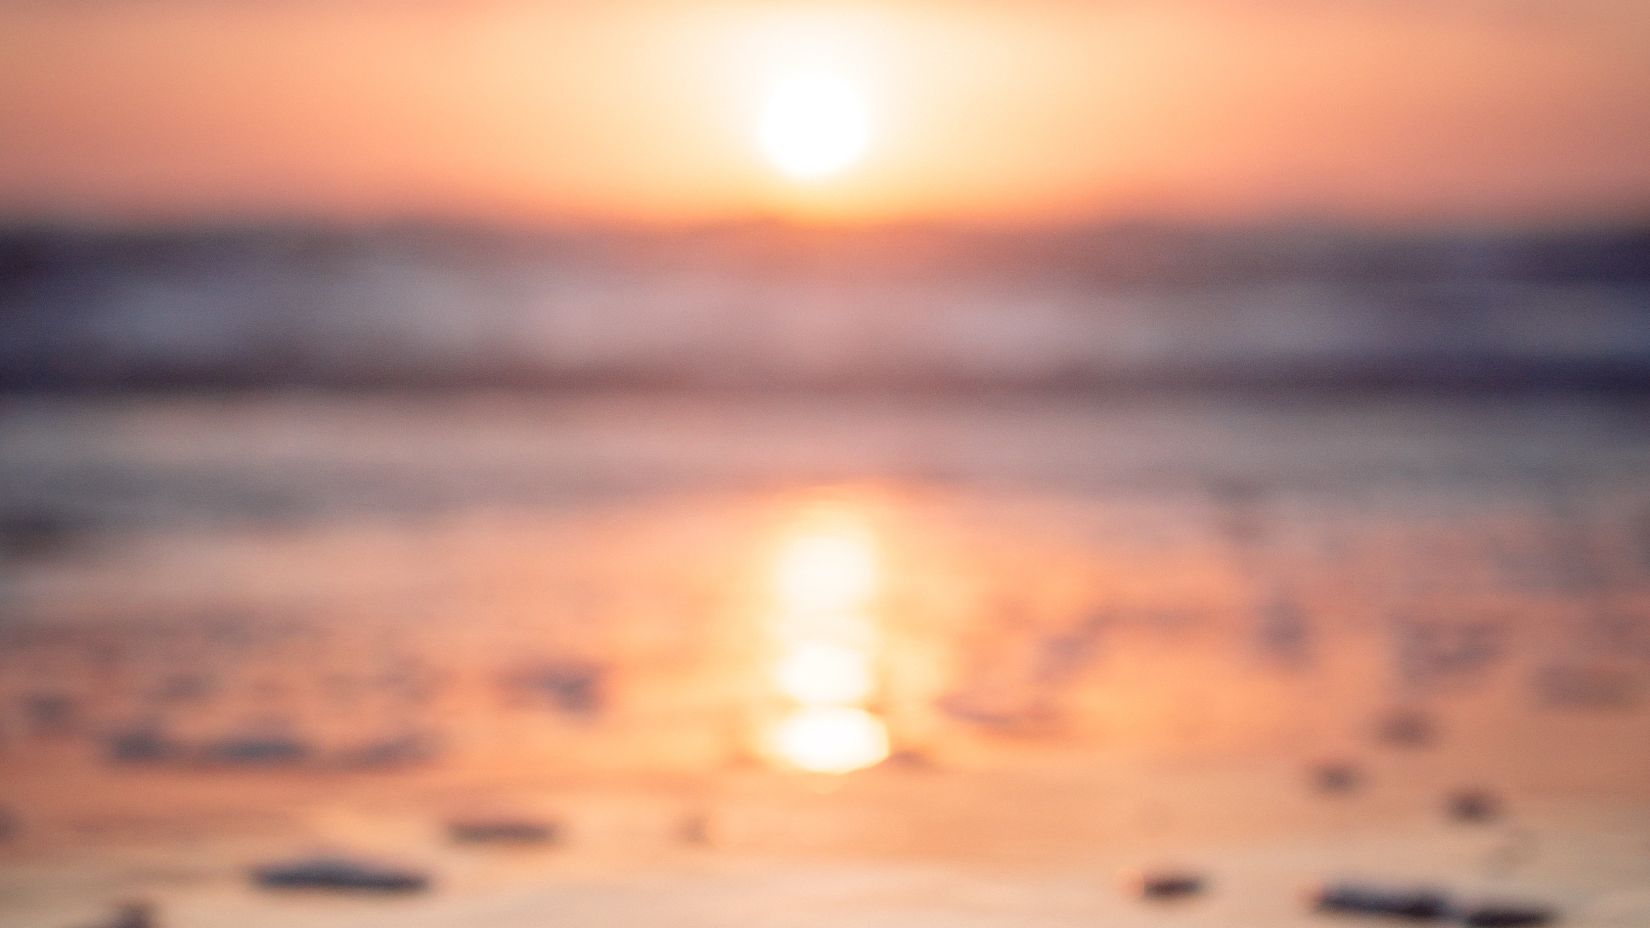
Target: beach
[[1100, 633]]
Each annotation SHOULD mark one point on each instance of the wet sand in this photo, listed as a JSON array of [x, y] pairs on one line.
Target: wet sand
[[1105, 637]]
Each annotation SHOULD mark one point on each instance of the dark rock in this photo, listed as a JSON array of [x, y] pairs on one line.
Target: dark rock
[[695, 828], [50, 714], [256, 751], [1416, 903], [407, 750], [185, 688], [1507, 915], [911, 759], [1406, 728], [131, 915], [1163, 885], [1284, 634], [1587, 687], [39, 534], [340, 874], [1435, 655], [140, 745], [1473, 805], [1337, 777], [575, 688], [502, 831]]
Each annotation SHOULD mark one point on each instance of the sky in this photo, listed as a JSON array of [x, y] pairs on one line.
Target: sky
[[1454, 111]]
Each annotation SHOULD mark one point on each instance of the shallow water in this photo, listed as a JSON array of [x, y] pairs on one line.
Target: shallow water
[[1091, 635]]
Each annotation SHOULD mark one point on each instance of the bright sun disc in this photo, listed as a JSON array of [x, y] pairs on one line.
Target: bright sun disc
[[813, 126]]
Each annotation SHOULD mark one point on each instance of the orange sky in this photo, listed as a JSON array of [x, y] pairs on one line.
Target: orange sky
[[1454, 110]]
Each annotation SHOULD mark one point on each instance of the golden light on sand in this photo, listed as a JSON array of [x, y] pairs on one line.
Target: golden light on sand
[[814, 125], [823, 645]]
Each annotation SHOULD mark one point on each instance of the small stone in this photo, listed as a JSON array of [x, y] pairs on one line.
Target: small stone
[[393, 751], [339, 874], [910, 759], [1406, 728], [141, 745], [1474, 806], [1337, 777], [256, 751], [1163, 885], [502, 831], [695, 828], [1595, 687], [1507, 915], [130, 915], [1413, 902], [51, 714]]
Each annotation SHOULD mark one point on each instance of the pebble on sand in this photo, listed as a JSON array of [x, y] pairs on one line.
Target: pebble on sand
[[1587, 687], [1337, 777], [394, 751], [1419, 903], [1507, 915], [140, 745], [910, 759], [341, 874], [256, 751], [1163, 885], [51, 714], [1474, 806], [696, 828], [1406, 728], [514, 831], [130, 915]]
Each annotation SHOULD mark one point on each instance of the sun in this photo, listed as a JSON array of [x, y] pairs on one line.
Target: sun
[[814, 125]]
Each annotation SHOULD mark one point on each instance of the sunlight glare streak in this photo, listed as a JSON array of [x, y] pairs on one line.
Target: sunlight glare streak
[[824, 643]]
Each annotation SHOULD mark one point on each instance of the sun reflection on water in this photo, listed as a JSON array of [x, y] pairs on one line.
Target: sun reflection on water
[[826, 564], [824, 644], [830, 739]]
